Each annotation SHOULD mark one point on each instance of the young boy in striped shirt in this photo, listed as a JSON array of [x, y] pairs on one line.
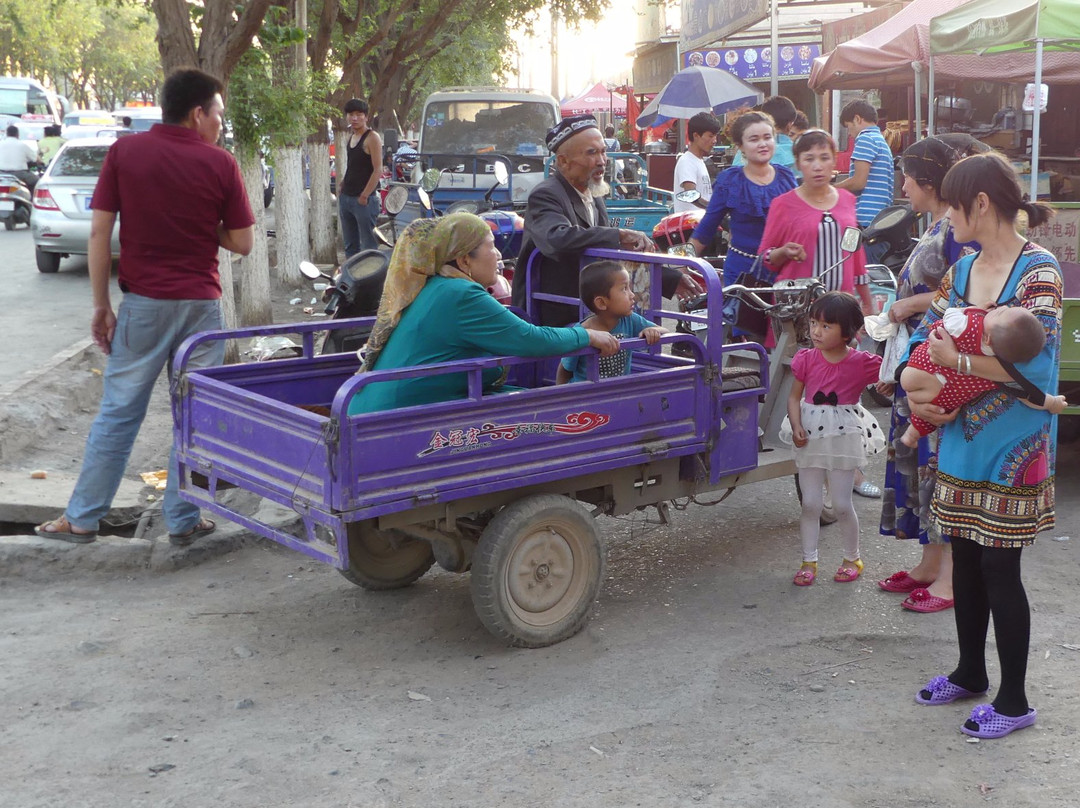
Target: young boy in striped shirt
[[872, 169]]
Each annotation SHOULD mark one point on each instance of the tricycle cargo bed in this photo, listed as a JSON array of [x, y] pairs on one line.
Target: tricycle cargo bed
[[253, 425]]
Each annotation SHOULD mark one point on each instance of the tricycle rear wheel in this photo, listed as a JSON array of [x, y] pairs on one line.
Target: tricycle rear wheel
[[537, 570], [385, 559]]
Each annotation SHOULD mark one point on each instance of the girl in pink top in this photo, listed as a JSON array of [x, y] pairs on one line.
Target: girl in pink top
[[804, 227], [831, 433]]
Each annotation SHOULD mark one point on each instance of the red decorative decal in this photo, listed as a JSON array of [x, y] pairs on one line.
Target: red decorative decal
[[577, 423]]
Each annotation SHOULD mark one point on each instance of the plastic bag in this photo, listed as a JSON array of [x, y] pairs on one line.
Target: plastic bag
[[895, 348], [264, 348]]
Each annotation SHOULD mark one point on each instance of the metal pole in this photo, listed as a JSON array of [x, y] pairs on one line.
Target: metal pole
[[1035, 120], [917, 67], [931, 112], [774, 44]]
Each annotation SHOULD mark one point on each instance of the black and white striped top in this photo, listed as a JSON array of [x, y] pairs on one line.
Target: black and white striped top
[[828, 256]]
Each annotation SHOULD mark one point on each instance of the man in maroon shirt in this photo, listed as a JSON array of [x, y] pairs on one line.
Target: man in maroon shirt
[[179, 197]]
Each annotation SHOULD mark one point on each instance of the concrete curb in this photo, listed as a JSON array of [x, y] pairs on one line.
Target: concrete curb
[[31, 558], [33, 407]]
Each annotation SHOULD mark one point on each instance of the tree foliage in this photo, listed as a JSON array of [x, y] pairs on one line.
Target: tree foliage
[[95, 53], [392, 52]]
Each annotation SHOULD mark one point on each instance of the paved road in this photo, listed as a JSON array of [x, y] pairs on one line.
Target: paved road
[[42, 314]]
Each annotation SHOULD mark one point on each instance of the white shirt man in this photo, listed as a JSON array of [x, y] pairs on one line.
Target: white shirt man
[[15, 155], [691, 174]]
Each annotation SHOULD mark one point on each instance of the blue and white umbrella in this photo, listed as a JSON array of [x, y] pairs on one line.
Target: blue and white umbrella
[[698, 89]]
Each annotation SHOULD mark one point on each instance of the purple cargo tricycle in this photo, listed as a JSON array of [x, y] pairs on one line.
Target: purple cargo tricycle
[[503, 485]]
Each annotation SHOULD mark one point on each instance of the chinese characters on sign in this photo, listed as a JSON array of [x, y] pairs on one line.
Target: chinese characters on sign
[[1060, 235], [463, 440], [750, 64]]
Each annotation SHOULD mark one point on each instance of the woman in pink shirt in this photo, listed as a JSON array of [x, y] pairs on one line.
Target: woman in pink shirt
[[804, 227]]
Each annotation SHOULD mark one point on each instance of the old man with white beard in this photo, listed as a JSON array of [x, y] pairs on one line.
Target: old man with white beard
[[565, 215]]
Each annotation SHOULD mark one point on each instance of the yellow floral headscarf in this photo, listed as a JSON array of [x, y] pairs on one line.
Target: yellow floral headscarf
[[425, 248]]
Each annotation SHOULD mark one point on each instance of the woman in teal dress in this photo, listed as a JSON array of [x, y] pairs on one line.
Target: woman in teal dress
[[995, 482], [435, 308]]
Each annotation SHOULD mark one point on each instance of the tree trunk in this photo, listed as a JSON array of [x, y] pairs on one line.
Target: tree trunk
[[228, 302], [323, 210], [255, 305], [291, 205]]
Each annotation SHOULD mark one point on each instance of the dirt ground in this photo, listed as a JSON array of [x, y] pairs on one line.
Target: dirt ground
[[262, 679]]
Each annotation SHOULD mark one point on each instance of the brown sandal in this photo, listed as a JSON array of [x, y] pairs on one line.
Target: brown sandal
[[62, 530]]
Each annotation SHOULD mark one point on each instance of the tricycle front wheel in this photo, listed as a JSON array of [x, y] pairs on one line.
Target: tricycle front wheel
[[537, 570], [385, 559]]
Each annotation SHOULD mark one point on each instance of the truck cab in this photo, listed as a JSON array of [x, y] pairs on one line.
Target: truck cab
[[463, 125]]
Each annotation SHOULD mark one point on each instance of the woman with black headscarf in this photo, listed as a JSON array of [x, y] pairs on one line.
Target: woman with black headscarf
[[910, 473]]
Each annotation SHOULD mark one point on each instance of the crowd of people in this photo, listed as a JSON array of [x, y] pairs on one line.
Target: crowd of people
[[978, 310]]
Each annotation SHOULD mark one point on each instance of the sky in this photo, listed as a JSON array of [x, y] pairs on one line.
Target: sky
[[596, 51]]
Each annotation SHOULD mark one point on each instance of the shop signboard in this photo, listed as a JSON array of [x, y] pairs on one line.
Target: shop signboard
[[654, 67], [755, 63], [707, 21]]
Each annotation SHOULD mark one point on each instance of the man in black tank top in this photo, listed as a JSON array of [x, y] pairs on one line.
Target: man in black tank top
[[358, 200]]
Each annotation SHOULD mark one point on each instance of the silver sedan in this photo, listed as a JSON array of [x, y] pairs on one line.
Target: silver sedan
[[60, 222]]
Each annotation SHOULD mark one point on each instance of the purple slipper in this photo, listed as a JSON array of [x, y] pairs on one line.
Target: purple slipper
[[989, 723], [942, 691]]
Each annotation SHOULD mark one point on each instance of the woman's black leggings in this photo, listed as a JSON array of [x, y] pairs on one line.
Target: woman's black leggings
[[986, 581]]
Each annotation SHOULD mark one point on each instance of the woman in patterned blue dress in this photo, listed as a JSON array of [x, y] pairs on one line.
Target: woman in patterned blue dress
[[745, 192], [995, 481]]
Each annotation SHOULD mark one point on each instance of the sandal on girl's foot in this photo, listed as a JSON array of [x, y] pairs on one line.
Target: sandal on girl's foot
[[806, 574], [60, 528], [849, 571], [940, 690], [986, 722], [902, 582]]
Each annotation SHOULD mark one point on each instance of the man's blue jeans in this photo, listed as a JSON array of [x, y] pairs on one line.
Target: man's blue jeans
[[148, 334], [358, 223]]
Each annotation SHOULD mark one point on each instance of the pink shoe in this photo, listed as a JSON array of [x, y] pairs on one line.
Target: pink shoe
[[901, 582], [920, 600]]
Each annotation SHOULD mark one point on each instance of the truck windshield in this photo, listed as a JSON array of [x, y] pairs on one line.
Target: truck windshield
[[479, 127]]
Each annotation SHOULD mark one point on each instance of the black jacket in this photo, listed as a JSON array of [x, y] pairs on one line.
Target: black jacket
[[556, 224]]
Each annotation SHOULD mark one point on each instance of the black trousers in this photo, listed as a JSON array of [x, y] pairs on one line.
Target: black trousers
[[986, 581]]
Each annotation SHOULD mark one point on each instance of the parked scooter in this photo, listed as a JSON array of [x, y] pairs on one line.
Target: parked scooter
[[506, 226], [894, 226], [393, 204], [354, 291], [672, 233], [16, 202]]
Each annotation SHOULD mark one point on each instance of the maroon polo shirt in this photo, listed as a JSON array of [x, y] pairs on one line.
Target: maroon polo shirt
[[171, 189]]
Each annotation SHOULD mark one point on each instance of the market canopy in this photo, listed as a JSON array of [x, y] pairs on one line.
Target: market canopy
[[596, 99], [1004, 26], [884, 55], [888, 54]]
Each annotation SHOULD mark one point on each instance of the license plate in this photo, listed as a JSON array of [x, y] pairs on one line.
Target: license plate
[[698, 326], [7, 204], [86, 200]]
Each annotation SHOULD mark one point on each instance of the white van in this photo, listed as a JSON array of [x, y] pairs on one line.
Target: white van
[[464, 124]]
